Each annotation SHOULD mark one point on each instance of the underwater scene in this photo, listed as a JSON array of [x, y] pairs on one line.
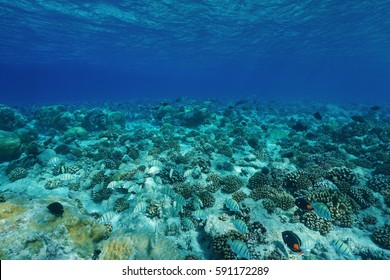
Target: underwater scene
[[194, 130]]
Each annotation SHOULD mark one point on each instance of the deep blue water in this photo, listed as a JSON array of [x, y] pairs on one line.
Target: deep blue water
[[65, 51]]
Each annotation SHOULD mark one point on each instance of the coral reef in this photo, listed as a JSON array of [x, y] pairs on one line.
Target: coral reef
[[10, 145], [297, 180], [381, 236], [258, 180], [342, 177], [379, 182], [231, 183], [17, 173]]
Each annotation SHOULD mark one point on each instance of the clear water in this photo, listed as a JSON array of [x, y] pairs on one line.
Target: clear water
[[61, 51]]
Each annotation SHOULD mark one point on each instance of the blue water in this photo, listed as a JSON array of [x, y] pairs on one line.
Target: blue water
[[66, 51]]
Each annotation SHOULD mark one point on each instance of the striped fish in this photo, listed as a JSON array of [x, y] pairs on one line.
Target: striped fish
[[321, 210], [168, 191], [170, 173], [188, 173], [149, 183], [127, 185], [180, 200], [106, 217], [139, 177], [154, 170], [54, 161], [113, 185], [188, 224], [197, 202], [342, 248], [140, 207], [199, 214], [158, 180], [66, 177], [232, 205], [240, 226], [239, 248], [155, 162], [307, 244]]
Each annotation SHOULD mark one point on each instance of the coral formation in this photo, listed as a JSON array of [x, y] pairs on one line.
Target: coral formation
[[231, 183], [381, 236], [10, 145], [17, 173]]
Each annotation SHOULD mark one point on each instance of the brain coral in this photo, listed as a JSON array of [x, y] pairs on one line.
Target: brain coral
[[258, 180], [342, 177]]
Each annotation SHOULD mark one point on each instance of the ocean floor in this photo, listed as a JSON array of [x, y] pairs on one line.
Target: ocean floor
[[195, 179]]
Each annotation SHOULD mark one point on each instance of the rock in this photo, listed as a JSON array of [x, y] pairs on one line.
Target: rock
[[9, 146], [29, 231]]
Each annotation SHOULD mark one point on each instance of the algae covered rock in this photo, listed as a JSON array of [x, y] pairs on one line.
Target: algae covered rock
[[9, 146], [130, 245], [29, 231]]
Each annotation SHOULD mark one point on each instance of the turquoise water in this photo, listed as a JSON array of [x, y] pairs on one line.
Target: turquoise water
[[194, 130]]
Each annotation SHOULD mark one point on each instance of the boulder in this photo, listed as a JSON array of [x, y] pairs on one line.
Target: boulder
[[9, 146]]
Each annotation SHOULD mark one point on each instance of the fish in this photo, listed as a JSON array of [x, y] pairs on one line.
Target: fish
[[239, 248], [155, 162], [375, 108], [321, 210], [292, 241], [318, 116], [66, 177], [188, 224], [342, 248], [187, 173], [154, 170], [358, 119], [180, 200], [54, 161], [56, 209], [139, 177], [232, 205], [303, 204], [240, 225], [168, 191], [140, 207], [197, 202], [63, 169], [106, 217], [113, 185], [149, 183], [308, 244], [199, 214]]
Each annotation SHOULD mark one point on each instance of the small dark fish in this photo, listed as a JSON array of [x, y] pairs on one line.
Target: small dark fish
[[56, 209], [265, 170], [303, 204], [292, 241], [358, 119], [318, 116], [299, 126], [310, 136], [264, 127], [375, 108]]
